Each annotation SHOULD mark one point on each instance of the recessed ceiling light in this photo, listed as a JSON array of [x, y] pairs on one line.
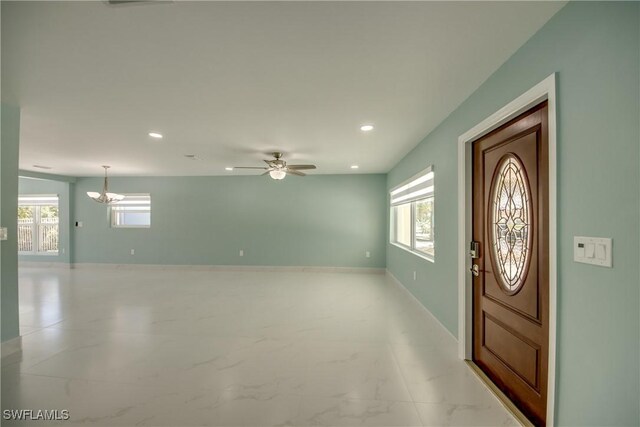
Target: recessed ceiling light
[[354, 166], [366, 128], [42, 167], [192, 157], [228, 169], [155, 135]]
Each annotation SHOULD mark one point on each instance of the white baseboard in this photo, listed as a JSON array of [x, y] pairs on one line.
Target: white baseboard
[[411, 296], [12, 346], [256, 268], [38, 264]]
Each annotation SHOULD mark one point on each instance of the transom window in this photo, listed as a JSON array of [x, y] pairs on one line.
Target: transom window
[[38, 225], [412, 215], [134, 211]]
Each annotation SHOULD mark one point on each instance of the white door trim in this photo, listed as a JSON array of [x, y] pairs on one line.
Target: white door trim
[[545, 90]]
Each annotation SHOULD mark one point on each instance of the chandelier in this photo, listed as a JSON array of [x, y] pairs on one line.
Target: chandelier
[[105, 196]]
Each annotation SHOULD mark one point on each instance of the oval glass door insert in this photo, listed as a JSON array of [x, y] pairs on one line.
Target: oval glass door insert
[[510, 230]]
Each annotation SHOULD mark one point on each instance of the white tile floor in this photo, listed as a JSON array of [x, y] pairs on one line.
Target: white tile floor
[[176, 348]]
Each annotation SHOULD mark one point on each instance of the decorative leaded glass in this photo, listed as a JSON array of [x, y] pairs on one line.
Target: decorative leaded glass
[[511, 223]]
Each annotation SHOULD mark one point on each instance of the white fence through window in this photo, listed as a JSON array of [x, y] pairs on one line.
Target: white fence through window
[[48, 235], [25, 234], [38, 224]]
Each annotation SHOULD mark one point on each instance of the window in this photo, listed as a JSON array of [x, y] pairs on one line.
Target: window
[[509, 233], [134, 211], [38, 220], [412, 214], [403, 224]]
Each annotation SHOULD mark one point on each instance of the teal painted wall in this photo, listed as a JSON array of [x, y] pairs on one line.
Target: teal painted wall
[[28, 186], [9, 145], [324, 220], [595, 48]]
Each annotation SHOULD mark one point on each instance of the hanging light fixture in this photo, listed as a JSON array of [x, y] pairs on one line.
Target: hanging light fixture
[[105, 196], [277, 174]]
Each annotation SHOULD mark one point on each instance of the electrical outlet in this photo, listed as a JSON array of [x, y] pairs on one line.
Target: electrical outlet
[[367, 254], [133, 251], [62, 251], [241, 252], [415, 275]]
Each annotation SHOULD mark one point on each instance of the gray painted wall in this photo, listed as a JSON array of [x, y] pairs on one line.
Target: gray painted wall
[[595, 48], [9, 144], [324, 220]]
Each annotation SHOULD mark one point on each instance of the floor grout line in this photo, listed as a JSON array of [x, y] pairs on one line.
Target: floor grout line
[[406, 385]]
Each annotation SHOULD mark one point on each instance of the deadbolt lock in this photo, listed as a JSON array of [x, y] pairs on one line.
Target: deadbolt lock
[[474, 250]]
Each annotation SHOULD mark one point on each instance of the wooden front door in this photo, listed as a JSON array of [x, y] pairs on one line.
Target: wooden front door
[[511, 278]]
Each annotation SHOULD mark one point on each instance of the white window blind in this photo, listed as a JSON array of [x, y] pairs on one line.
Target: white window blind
[[48, 200], [134, 211], [419, 187]]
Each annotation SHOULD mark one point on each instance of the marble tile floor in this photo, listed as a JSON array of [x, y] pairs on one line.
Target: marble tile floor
[[194, 348]]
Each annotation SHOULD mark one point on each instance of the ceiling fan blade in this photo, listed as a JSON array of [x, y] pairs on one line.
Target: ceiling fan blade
[[266, 173], [301, 167], [269, 162], [294, 172], [249, 167]]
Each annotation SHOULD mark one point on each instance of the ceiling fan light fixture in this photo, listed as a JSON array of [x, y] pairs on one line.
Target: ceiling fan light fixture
[[277, 168], [105, 197], [277, 174]]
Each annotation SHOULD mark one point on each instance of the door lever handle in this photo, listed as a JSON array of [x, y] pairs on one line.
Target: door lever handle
[[475, 270]]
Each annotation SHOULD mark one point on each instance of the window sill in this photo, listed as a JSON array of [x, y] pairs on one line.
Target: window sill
[[418, 254]]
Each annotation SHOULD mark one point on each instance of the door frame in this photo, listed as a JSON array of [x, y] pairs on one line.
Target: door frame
[[543, 91]]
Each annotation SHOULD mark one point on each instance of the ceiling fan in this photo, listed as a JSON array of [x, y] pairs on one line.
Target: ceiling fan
[[278, 168]]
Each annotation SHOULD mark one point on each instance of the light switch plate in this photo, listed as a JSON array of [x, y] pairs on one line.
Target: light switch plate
[[4, 233], [593, 250]]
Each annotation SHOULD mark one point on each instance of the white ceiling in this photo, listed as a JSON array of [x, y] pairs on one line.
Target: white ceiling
[[230, 81]]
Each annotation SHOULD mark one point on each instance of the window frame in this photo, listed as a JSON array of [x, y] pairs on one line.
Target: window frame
[[413, 230], [412, 202], [112, 213], [394, 228], [35, 226]]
